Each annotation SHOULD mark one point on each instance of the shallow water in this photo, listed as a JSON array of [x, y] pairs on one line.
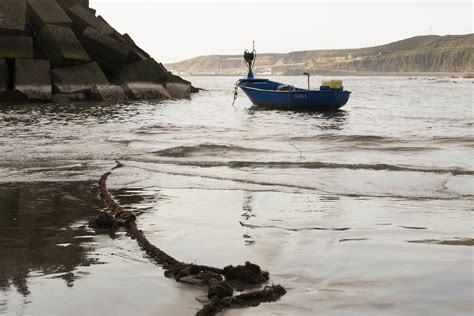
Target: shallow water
[[364, 211]]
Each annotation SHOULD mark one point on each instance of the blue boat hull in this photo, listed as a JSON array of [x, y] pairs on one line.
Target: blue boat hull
[[265, 93]]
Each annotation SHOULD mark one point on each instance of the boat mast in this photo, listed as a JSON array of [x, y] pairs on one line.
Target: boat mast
[[249, 58], [307, 74]]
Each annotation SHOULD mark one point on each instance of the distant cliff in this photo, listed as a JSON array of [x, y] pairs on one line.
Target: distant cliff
[[420, 54]]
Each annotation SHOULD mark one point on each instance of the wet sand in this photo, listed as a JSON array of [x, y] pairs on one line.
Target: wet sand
[[328, 251]]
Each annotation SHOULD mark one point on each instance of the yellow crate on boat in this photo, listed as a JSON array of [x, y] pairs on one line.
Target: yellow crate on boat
[[332, 83]]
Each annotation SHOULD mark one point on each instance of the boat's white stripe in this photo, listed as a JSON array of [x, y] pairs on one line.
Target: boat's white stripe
[[297, 91], [278, 91]]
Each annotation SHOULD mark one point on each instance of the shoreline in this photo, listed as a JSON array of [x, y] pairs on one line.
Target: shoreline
[[356, 74]]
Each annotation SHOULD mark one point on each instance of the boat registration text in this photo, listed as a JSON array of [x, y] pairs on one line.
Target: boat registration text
[[300, 96]]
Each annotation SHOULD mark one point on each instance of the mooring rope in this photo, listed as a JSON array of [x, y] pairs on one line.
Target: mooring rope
[[220, 282]]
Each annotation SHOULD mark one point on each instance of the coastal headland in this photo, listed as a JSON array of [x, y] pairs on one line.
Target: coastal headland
[[61, 51], [428, 55]]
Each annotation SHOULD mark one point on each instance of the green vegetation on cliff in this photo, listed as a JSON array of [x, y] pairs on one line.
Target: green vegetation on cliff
[[430, 53]]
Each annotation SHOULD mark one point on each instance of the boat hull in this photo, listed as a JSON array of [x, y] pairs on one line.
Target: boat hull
[[264, 94]]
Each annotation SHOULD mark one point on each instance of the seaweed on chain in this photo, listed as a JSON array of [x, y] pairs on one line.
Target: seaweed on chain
[[220, 282]]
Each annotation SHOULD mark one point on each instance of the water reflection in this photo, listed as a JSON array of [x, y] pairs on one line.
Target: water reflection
[[247, 205], [248, 213], [333, 120], [42, 230], [137, 199], [63, 113]]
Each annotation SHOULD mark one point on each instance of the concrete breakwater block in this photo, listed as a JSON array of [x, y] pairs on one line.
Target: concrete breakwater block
[[60, 49], [177, 79], [32, 78], [78, 78], [136, 53], [4, 74], [83, 18], [12, 17], [41, 12], [66, 4], [14, 46], [108, 93], [61, 46], [146, 90], [69, 97], [179, 90], [127, 39], [143, 71], [174, 78], [108, 52]]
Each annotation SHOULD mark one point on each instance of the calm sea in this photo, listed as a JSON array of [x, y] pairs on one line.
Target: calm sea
[[365, 211]]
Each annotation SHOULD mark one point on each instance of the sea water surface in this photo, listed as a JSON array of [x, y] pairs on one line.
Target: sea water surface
[[364, 211]]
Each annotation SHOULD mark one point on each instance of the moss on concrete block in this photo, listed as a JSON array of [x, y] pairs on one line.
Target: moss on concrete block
[[61, 46], [77, 78], [41, 12], [12, 17], [16, 46]]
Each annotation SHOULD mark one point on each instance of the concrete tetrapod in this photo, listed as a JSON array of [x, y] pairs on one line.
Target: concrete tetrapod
[[66, 4], [79, 78], [12, 17], [32, 78], [146, 90], [42, 12], [108, 93], [67, 33], [179, 90], [83, 18], [136, 53], [61, 46], [109, 53], [143, 71]]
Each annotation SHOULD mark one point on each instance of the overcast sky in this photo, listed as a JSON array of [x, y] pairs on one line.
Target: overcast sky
[[178, 30]]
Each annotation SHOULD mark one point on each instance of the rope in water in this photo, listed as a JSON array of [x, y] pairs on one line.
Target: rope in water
[[220, 282]]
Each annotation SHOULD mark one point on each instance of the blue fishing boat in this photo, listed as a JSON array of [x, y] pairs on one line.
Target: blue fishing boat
[[275, 95]]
